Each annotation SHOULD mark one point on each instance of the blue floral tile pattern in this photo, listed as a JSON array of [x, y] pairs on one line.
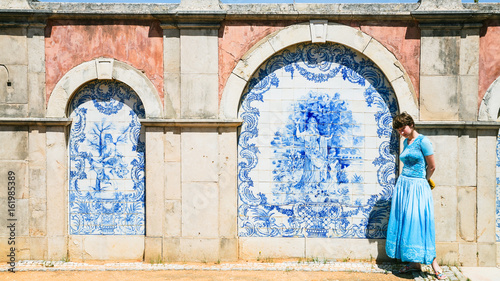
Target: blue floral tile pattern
[[106, 146], [498, 191], [317, 154]]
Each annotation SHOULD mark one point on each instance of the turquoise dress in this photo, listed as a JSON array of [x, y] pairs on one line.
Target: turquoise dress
[[411, 233]]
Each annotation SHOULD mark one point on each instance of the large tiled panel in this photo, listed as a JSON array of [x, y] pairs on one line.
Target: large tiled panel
[[106, 191], [317, 154], [498, 191]]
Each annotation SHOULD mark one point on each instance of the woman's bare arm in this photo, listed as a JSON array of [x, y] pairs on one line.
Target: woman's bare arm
[[431, 165]]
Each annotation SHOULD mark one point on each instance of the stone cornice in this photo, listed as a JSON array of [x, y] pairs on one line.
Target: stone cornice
[[457, 125], [445, 17], [202, 123], [450, 25], [191, 20], [174, 13], [35, 121]]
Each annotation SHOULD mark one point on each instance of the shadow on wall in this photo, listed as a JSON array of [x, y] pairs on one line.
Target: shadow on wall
[[379, 216]]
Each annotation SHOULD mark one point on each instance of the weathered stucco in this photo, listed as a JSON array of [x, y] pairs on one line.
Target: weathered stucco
[[403, 40], [489, 58], [70, 43], [235, 39]]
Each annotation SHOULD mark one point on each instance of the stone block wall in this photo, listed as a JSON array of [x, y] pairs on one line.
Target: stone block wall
[[194, 197], [25, 68], [197, 69]]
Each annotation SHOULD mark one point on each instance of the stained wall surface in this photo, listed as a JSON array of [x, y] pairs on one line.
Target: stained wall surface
[[226, 132], [70, 43], [489, 68]]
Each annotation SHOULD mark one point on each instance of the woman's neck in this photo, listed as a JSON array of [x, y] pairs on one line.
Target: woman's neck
[[414, 134]]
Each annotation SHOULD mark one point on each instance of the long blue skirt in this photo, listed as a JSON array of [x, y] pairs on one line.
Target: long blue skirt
[[411, 233]]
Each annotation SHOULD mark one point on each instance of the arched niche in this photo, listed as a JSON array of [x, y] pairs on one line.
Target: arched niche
[[317, 155], [106, 160]]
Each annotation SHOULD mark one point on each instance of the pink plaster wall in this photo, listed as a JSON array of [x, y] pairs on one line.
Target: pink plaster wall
[[401, 38], [69, 43], [489, 57], [235, 39]]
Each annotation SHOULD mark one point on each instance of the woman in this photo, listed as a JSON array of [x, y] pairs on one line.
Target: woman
[[411, 234]]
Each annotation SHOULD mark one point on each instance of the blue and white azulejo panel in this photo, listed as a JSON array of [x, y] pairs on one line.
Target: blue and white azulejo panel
[[316, 151], [106, 147]]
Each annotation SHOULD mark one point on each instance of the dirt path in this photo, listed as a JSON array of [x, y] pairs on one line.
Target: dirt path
[[188, 275]]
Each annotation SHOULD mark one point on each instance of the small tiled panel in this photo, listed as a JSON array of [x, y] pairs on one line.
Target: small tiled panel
[[317, 154], [498, 191], [106, 146]]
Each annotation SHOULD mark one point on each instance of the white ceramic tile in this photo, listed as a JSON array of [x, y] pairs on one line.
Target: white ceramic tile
[[107, 139], [319, 171]]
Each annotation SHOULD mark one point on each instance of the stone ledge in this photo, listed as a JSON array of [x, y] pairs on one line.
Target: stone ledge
[[335, 11], [191, 122], [36, 121], [457, 124], [145, 122]]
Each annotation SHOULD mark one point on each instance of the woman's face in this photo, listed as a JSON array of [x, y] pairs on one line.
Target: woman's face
[[405, 131]]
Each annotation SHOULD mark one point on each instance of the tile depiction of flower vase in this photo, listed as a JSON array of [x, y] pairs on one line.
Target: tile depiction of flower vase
[[498, 190], [106, 146], [317, 154]]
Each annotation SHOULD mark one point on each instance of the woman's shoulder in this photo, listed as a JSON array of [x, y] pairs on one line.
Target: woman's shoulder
[[424, 138], [426, 145]]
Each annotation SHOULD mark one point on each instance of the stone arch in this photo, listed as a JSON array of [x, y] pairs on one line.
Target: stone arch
[[489, 109], [103, 68], [335, 33]]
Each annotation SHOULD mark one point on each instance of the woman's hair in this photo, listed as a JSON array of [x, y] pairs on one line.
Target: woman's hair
[[402, 120]]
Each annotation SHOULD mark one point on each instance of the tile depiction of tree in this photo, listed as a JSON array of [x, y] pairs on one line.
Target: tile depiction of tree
[[333, 110], [106, 161]]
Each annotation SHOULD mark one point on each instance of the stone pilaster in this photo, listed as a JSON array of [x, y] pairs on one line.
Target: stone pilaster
[[199, 5], [36, 70], [57, 190], [200, 194], [199, 70], [486, 196], [155, 186], [449, 62], [171, 70], [228, 197], [449, 72]]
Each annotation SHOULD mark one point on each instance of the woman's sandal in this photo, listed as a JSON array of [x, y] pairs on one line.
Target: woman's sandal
[[407, 268], [440, 275]]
